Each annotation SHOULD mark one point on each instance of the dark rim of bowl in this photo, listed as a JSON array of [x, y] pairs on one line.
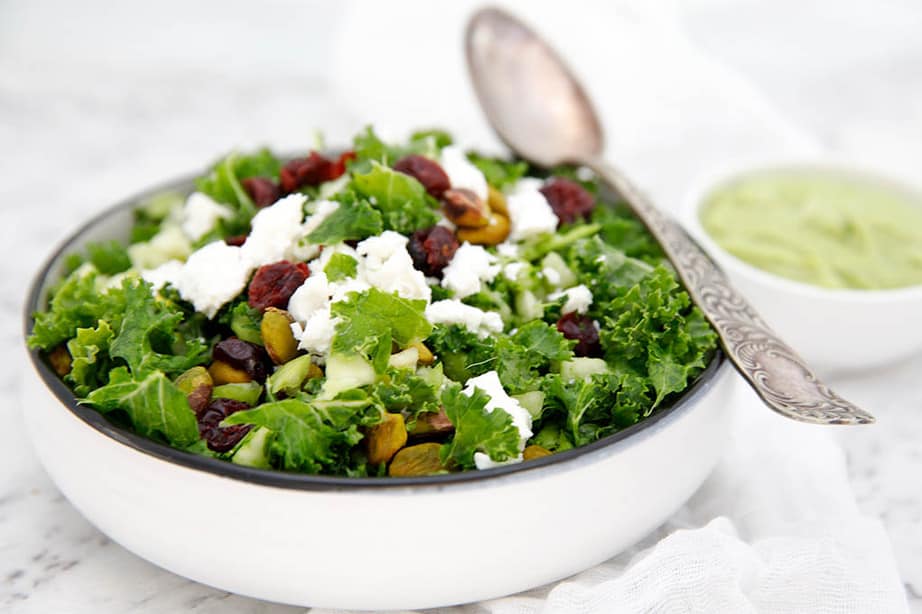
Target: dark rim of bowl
[[290, 480]]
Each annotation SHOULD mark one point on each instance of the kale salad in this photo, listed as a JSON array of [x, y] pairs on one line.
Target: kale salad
[[397, 310]]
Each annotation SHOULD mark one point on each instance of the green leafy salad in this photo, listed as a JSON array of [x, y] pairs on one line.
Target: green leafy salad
[[397, 310]]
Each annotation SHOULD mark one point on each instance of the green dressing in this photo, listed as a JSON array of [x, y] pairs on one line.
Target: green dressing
[[820, 228]]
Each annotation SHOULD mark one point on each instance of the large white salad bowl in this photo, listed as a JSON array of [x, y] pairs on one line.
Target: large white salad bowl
[[369, 543]]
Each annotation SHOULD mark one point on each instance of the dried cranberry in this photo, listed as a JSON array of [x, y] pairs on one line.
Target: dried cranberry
[[581, 328], [262, 190], [339, 167], [243, 355], [312, 170], [273, 284], [426, 172], [432, 249], [568, 199], [222, 439], [236, 240]]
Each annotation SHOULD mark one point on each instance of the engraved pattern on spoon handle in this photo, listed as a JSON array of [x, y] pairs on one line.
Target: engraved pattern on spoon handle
[[771, 367]]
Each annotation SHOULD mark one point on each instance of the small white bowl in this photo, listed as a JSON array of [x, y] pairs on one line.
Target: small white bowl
[[833, 329], [370, 543]]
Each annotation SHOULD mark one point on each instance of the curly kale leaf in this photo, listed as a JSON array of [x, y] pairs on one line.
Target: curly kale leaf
[[476, 429]]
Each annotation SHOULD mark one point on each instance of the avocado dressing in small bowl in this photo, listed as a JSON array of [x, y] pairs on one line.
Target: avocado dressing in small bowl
[[830, 255]]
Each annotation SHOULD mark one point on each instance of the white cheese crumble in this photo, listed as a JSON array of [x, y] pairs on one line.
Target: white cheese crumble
[[387, 265], [452, 311], [317, 335], [511, 271], [461, 173], [507, 250], [529, 212], [274, 232], [201, 213], [579, 298], [212, 276], [470, 266], [166, 273], [521, 418]]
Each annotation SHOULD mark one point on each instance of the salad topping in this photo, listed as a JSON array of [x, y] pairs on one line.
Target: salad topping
[[396, 310]]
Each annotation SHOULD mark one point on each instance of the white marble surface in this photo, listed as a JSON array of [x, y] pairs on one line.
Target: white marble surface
[[99, 99]]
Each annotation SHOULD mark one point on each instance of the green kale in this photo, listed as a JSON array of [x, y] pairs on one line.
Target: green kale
[[526, 356], [341, 266], [620, 229], [355, 219], [154, 405], [370, 321], [75, 303], [654, 331], [605, 270], [312, 436], [109, 257], [223, 184], [462, 352], [499, 173], [90, 360], [402, 200], [476, 429], [402, 390], [147, 339]]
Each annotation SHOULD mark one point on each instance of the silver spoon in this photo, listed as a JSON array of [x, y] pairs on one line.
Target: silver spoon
[[542, 113]]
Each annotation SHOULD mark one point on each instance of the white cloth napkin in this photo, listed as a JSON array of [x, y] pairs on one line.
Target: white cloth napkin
[[775, 528]]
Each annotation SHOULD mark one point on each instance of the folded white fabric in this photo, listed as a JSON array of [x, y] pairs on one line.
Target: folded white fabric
[[776, 528]]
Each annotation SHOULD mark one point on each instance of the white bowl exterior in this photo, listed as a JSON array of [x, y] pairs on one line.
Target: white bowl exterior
[[834, 330], [413, 547]]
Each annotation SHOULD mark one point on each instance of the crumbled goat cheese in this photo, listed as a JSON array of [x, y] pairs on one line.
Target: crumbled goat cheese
[[311, 296], [578, 299], [317, 335], [387, 265], [275, 231], [529, 212], [201, 213], [507, 250], [452, 311], [461, 173], [470, 266], [499, 399], [166, 273], [212, 276]]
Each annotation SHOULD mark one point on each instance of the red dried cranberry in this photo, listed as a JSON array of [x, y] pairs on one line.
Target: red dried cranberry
[[273, 284], [581, 328], [339, 167], [312, 170], [262, 190], [432, 249], [426, 172], [568, 199], [236, 240], [243, 355], [222, 439]]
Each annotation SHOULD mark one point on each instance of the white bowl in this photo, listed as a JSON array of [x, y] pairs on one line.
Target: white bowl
[[834, 330], [381, 543]]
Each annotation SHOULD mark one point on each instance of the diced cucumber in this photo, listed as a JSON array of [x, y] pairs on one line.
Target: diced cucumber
[[253, 451], [528, 306], [532, 401], [248, 392], [406, 359], [582, 367], [555, 262], [345, 372], [289, 377], [434, 376]]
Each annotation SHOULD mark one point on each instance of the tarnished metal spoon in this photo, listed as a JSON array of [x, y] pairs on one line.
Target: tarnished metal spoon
[[542, 113]]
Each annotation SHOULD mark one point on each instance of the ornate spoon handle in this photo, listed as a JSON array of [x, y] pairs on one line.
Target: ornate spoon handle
[[774, 370]]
